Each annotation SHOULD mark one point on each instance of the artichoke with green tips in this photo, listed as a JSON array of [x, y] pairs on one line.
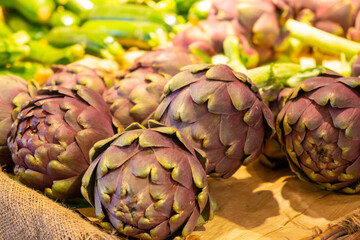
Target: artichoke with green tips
[[220, 111], [135, 97], [148, 183], [14, 91], [319, 129], [68, 76], [52, 135]]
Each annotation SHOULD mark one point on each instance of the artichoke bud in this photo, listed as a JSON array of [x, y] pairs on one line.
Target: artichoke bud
[[146, 206], [210, 100], [313, 125]]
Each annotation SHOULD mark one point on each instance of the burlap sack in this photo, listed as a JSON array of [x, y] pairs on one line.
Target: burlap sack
[[26, 215]]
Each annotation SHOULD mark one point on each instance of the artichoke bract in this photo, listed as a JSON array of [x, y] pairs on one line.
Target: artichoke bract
[[138, 93], [148, 183], [319, 129], [14, 91], [52, 135], [68, 76], [220, 112]]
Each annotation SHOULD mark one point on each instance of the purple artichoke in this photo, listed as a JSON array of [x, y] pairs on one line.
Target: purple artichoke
[[148, 183], [76, 74], [136, 96], [319, 129], [51, 138], [257, 19], [220, 112], [14, 91], [209, 35]]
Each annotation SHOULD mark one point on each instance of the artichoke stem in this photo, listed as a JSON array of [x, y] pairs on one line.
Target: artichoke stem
[[232, 51], [324, 41], [273, 73]]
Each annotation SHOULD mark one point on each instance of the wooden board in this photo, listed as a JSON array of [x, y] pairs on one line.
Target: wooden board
[[260, 203]]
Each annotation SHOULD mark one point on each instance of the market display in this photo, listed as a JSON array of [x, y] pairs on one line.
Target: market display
[[130, 106]]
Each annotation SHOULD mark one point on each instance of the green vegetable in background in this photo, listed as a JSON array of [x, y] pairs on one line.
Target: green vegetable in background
[[45, 53], [18, 23], [78, 6], [10, 51], [199, 10], [37, 11], [5, 30], [62, 17], [134, 33], [24, 69], [130, 12], [95, 42]]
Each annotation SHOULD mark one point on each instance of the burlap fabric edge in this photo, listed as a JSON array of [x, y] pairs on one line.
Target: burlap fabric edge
[[27, 214]]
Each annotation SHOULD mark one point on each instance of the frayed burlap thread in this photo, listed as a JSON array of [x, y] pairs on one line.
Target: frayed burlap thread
[[350, 222], [345, 228], [28, 215]]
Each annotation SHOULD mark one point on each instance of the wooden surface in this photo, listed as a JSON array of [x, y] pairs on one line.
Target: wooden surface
[[259, 203]]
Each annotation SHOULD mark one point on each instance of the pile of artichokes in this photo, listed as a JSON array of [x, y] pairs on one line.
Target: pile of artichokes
[[139, 144]]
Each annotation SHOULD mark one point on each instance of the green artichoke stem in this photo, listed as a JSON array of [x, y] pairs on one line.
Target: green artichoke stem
[[201, 54], [273, 73], [322, 40], [232, 51]]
